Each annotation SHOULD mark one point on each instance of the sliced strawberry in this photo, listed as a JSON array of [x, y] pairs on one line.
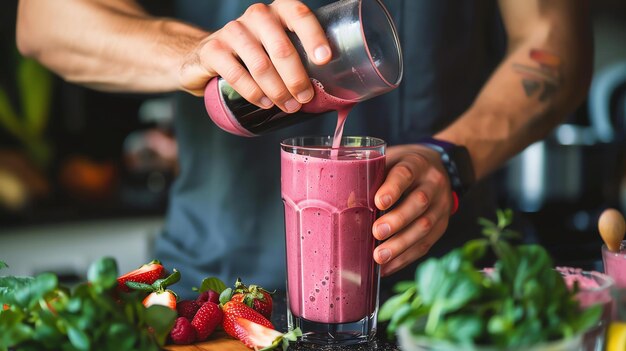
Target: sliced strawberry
[[146, 274], [208, 317], [233, 310], [254, 296], [165, 298], [258, 337]]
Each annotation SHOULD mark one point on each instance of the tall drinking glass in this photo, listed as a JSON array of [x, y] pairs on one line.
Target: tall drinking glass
[[328, 194]]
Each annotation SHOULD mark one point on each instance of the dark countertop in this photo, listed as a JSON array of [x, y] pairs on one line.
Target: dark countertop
[[279, 319]]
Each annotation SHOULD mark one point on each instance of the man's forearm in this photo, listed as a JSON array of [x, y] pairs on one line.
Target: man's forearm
[[544, 77], [108, 45]]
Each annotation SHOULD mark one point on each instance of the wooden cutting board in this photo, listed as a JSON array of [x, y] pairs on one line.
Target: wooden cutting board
[[219, 341]]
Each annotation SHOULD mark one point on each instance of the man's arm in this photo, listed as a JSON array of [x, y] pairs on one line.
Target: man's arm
[[114, 45], [544, 76], [108, 45]]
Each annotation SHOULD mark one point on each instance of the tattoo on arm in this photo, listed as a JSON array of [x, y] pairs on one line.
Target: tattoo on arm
[[543, 79]]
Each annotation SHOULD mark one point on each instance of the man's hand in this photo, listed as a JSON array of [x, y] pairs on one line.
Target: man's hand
[[418, 192], [255, 56]]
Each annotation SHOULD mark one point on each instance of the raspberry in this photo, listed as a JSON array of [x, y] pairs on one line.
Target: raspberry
[[187, 308], [208, 295], [183, 332]]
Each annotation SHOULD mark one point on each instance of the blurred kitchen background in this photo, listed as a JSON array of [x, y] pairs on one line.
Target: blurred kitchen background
[[85, 174]]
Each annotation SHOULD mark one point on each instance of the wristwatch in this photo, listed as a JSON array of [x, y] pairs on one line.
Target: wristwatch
[[457, 162]]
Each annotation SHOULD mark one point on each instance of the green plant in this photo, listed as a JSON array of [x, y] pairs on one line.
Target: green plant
[[36, 313], [28, 123], [522, 302]]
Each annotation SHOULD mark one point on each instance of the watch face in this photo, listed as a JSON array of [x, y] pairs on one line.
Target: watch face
[[465, 170]]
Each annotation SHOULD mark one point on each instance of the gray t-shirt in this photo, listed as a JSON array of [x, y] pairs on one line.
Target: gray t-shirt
[[225, 216]]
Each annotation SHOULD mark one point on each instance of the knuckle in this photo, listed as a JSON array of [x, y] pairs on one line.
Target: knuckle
[[418, 159], [234, 74], [425, 246], [404, 172], [281, 49], [426, 223], [278, 93], [233, 27], [298, 83], [300, 11], [421, 198], [400, 220], [211, 46], [256, 9], [260, 65], [439, 177], [252, 92]]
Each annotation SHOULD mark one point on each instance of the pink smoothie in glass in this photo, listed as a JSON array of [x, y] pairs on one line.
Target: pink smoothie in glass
[[329, 212], [615, 264]]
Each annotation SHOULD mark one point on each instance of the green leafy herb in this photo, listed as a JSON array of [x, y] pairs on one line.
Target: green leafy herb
[[42, 315], [523, 301], [211, 283]]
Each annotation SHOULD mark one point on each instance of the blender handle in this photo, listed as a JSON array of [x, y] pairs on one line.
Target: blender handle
[[602, 88]]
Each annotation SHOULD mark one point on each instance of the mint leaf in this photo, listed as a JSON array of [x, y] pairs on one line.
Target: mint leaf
[[391, 306], [32, 290], [212, 283], [78, 338], [161, 319], [3, 265], [103, 273]]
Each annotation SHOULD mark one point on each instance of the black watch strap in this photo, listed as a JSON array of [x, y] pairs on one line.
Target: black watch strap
[[457, 162]]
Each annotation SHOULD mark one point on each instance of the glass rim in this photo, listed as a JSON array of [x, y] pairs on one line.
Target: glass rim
[[289, 143], [604, 247], [607, 281]]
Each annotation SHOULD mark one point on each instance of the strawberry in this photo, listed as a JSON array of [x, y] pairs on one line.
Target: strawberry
[[254, 296], [183, 332], [206, 319], [254, 330], [187, 308], [157, 292], [146, 274], [165, 298]]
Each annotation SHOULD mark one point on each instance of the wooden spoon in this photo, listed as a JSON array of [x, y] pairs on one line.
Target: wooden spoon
[[612, 228]]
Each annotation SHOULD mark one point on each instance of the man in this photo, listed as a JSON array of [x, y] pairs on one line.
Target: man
[[225, 215]]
